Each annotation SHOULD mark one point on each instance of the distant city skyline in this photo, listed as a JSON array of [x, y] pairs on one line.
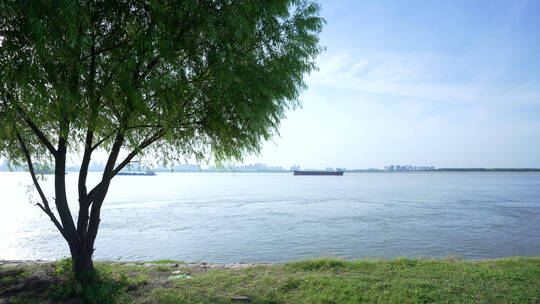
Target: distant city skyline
[[256, 167]]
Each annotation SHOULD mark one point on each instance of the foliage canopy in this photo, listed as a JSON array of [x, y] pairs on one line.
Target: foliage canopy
[[204, 76]]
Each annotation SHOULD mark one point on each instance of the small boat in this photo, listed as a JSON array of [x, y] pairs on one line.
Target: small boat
[[317, 172], [147, 173], [46, 172]]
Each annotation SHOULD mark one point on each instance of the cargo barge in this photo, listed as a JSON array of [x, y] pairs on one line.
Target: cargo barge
[[147, 173], [317, 172]]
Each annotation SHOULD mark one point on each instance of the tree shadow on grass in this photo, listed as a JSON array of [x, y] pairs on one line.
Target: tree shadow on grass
[[17, 284]]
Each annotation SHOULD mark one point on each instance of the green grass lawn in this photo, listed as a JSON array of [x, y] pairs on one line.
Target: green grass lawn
[[510, 280]]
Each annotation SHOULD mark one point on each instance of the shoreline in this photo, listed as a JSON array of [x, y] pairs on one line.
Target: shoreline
[[244, 265], [171, 264], [345, 172]]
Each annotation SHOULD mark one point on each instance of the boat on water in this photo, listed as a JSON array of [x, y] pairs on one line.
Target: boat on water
[[46, 172], [138, 171], [317, 172], [146, 173]]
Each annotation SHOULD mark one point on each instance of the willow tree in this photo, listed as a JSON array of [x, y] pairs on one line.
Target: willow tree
[[173, 79]]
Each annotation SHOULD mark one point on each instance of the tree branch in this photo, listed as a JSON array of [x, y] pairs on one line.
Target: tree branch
[[100, 191], [82, 220], [93, 101], [147, 142], [102, 140], [144, 144], [45, 207], [144, 126], [37, 131], [83, 172], [58, 31], [149, 67], [124, 44], [111, 160], [61, 201]]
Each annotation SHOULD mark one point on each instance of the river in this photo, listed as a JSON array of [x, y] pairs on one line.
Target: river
[[278, 217]]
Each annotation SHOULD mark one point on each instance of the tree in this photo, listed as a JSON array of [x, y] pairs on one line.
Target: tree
[[172, 79]]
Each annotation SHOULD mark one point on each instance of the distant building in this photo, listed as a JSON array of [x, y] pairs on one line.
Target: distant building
[[186, 168], [408, 168], [95, 166]]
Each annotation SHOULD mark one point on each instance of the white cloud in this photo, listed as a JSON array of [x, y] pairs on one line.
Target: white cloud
[[421, 76]]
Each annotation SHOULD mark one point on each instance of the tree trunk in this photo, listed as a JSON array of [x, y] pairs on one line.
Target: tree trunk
[[83, 264], [83, 249]]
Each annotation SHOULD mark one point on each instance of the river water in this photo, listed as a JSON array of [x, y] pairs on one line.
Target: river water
[[277, 217]]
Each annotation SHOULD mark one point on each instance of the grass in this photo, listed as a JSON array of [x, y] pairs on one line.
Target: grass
[[106, 286], [13, 277], [510, 280], [165, 262]]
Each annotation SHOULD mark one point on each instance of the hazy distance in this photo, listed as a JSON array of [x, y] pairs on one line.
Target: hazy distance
[[448, 84]]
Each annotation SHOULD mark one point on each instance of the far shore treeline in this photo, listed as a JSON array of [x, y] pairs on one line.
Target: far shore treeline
[[269, 169]]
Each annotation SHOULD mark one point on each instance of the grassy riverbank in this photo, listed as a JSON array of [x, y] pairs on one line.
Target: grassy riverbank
[[511, 280]]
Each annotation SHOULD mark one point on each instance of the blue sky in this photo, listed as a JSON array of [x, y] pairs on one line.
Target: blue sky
[[442, 83]]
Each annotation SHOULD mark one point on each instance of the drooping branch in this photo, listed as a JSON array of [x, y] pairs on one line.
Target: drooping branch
[[147, 142], [97, 144], [45, 206], [35, 129], [101, 141]]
